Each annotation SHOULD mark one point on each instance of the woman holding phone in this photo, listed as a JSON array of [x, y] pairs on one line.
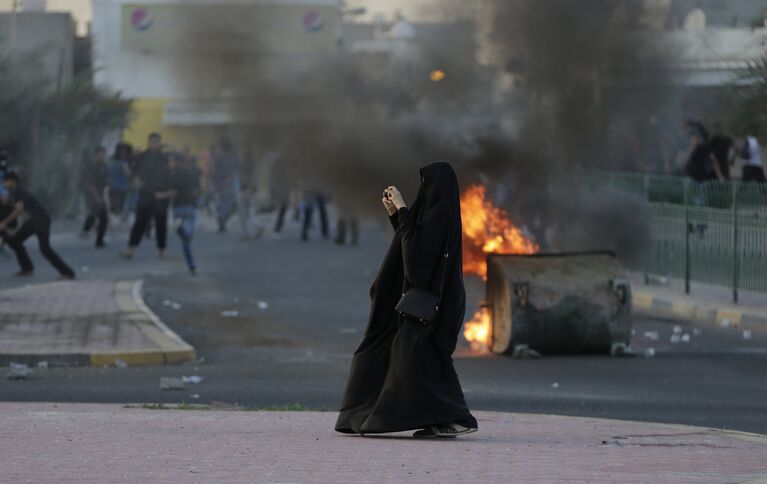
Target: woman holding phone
[[402, 375]]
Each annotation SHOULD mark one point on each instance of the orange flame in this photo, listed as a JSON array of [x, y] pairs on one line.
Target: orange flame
[[487, 229], [477, 331]]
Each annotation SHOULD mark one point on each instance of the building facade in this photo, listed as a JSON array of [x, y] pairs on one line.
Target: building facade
[[171, 56]]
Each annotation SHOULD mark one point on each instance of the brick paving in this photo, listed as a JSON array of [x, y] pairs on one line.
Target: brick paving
[[66, 317], [46, 442], [62, 320]]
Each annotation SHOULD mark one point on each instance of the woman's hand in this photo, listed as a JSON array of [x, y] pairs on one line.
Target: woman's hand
[[395, 197], [390, 208]]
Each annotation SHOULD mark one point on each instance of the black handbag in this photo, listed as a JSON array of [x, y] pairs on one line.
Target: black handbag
[[420, 304]]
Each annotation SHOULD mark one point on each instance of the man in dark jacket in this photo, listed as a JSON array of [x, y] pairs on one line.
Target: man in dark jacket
[[94, 179], [38, 223], [151, 170]]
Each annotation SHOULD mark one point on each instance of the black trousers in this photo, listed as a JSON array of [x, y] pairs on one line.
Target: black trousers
[[353, 224], [42, 230], [753, 173], [309, 211], [97, 213], [147, 210]]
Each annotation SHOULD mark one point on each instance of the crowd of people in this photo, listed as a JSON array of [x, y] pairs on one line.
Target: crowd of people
[[711, 157], [145, 188]]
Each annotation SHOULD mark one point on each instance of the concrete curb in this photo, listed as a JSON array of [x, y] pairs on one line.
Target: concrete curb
[[684, 308], [172, 349]]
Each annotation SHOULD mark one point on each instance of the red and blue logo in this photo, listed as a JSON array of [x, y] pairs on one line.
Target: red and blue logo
[[141, 19], [313, 21]]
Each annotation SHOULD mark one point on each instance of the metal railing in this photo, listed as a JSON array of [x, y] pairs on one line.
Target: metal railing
[[713, 232]]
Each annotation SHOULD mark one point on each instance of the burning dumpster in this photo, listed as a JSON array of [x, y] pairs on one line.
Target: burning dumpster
[[558, 303]]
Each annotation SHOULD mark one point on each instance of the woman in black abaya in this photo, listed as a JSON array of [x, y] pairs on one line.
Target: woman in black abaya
[[402, 375]]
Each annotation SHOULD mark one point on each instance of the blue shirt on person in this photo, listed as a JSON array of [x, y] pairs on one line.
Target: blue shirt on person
[[118, 176]]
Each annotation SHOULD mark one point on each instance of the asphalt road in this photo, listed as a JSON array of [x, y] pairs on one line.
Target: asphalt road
[[302, 309]]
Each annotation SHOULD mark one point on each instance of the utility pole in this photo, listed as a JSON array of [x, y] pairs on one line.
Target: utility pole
[[15, 5]]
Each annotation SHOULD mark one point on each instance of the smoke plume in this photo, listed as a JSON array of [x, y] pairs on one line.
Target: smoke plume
[[535, 94]]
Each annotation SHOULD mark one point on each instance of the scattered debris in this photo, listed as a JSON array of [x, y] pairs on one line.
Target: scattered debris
[[171, 383], [649, 352], [19, 371], [194, 379], [675, 338], [620, 349], [555, 385], [171, 304], [263, 305], [42, 364], [230, 313], [686, 338], [524, 352], [120, 363], [677, 329], [657, 280], [651, 335], [725, 323], [746, 334]]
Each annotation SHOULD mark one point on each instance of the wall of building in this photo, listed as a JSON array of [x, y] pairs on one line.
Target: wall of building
[[149, 49], [45, 41]]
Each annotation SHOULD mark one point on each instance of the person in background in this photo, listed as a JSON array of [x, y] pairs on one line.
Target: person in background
[[753, 168], [701, 165], [5, 164], [6, 204], [723, 149], [245, 195], [184, 191], [286, 193], [314, 196], [152, 176], [226, 183], [349, 222], [95, 178], [119, 180], [37, 223]]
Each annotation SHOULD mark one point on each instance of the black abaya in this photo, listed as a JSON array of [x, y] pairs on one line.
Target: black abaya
[[402, 375]]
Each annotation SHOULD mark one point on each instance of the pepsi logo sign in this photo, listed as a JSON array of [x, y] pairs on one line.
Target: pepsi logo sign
[[141, 19], [313, 21]]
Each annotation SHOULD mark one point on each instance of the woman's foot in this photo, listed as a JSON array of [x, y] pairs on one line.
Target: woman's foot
[[449, 431]]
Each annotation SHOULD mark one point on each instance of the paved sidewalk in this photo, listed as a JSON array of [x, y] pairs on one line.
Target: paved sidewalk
[[84, 323], [45, 442], [705, 303]]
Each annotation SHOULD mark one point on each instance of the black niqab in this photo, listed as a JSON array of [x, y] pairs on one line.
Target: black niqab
[[402, 375]]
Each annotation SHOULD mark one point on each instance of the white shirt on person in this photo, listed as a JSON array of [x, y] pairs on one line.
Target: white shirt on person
[[754, 151]]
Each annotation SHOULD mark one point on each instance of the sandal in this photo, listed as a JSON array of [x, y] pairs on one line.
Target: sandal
[[450, 431]]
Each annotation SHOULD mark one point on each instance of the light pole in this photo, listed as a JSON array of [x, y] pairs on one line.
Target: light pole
[[15, 4]]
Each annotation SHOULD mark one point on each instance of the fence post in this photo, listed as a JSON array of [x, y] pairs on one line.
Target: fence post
[[735, 261], [646, 181], [686, 191]]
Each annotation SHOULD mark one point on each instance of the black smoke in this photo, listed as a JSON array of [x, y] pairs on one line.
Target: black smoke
[[351, 123]]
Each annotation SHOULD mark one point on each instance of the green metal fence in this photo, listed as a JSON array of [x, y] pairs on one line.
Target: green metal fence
[[713, 232]]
